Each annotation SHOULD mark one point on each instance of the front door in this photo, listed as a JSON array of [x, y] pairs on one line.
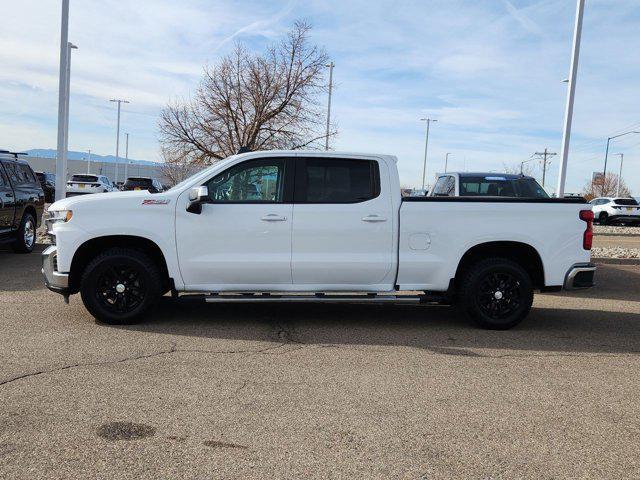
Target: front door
[[7, 202], [342, 225], [242, 238]]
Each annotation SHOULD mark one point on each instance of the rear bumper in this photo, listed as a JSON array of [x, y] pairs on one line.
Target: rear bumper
[[54, 280], [580, 275]]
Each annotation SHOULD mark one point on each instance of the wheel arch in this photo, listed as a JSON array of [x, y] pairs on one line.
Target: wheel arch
[[93, 247], [522, 253]]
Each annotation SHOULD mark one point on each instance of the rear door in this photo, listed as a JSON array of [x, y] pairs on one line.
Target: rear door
[[7, 202], [342, 224]]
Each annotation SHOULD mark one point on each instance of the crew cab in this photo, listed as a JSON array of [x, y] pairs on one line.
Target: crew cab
[[314, 226], [83, 184], [474, 184], [21, 203]]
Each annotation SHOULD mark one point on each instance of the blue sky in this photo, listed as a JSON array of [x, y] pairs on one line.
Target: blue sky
[[490, 71]]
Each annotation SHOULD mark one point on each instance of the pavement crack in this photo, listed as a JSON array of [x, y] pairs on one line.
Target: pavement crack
[[171, 349]]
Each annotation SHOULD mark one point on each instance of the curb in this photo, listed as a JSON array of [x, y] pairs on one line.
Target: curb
[[616, 261]]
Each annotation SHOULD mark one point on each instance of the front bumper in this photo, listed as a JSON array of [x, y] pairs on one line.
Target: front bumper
[[580, 275], [54, 280]]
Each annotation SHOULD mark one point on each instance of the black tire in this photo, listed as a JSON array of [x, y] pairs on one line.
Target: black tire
[[496, 293], [603, 219], [134, 272], [26, 235]]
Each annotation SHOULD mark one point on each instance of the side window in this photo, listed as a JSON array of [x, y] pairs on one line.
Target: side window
[[327, 180], [15, 174], [451, 186], [254, 181], [3, 179]]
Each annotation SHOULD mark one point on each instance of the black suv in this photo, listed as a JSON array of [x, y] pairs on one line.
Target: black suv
[[21, 203], [143, 183], [48, 184]]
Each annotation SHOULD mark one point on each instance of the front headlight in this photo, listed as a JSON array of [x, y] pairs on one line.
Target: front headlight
[[57, 216]]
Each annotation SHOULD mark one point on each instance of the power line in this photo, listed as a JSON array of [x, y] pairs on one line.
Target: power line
[[544, 156]]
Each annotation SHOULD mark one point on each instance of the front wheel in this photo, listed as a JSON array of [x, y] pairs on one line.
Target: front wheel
[[497, 293], [26, 235], [120, 286]]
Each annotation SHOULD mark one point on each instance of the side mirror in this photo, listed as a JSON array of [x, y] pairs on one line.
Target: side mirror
[[197, 196]]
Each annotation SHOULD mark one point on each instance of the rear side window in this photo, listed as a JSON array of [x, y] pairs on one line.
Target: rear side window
[[625, 201], [321, 180], [27, 174], [3, 179]]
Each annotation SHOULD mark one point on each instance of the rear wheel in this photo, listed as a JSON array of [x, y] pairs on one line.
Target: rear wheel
[[603, 219], [26, 235], [496, 293], [120, 286]]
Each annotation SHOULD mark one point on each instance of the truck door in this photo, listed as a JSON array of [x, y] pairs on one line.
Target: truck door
[[7, 202], [342, 224], [242, 238]]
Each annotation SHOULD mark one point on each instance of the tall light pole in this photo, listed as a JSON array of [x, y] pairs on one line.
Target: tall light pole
[[119, 102], [61, 158], [331, 65], [126, 156], [446, 161], [619, 174], [70, 46], [568, 115], [606, 155], [426, 147], [89, 161]]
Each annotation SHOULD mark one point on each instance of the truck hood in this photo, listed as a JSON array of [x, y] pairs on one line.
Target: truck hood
[[116, 197]]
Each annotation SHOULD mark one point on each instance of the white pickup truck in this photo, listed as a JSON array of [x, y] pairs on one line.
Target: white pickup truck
[[314, 226]]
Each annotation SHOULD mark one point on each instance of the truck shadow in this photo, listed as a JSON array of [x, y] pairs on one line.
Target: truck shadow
[[436, 328]]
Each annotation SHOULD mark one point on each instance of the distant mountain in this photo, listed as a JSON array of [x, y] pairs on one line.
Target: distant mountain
[[51, 153]]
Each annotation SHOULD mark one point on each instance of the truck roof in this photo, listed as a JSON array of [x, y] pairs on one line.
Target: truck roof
[[325, 153], [508, 176]]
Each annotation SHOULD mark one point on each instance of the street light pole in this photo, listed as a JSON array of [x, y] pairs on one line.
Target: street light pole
[[426, 146], [606, 155], [326, 140], [619, 174], [61, 164], [89, 162], [446, 161], [70, 46], [119, 102], [126, 156], [568, 116]]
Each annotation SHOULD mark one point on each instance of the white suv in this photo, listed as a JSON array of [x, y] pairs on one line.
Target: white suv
[[616, 210], [85, 183]]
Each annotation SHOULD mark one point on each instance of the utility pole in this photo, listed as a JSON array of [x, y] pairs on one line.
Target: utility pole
[[326, 140], [89, 162], [619, 174], [426, 146], [544, 156], [70, 46], [568, 115], [446, 161], [61, 158], [119, 102], [126, 156]]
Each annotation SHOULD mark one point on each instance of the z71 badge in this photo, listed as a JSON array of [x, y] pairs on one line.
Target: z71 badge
[[161, 201]]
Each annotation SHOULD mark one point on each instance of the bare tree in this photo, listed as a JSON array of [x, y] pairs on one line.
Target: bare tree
[[519, 168], [606, 188], [176, 169], [254, 102]]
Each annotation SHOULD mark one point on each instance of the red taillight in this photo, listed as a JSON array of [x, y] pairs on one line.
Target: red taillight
[[587, 238]]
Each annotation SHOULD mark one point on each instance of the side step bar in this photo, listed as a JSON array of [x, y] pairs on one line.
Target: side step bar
[[324, 298]]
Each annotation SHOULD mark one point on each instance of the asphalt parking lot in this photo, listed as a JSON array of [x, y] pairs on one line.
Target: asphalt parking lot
[[300, 391]]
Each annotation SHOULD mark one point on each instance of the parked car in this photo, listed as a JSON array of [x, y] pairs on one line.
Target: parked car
[[320, 223], [143, 183], [48, 183], [616, 210], [469, 184], [83, 184], [21, 203]]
